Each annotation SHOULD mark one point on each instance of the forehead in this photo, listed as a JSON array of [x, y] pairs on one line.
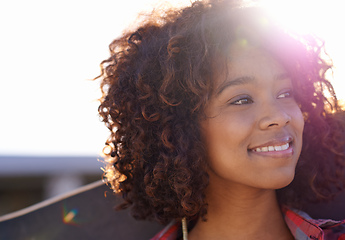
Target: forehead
[[246, 60], [243, 55]]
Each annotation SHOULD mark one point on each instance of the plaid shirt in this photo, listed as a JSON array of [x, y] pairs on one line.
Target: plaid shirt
[[301, 225]]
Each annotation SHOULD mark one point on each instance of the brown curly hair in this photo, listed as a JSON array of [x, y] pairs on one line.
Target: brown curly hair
[[155, 86]]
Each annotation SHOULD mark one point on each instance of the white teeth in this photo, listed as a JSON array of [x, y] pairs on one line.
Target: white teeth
[[278, 148], [285, 146], [272, 148]]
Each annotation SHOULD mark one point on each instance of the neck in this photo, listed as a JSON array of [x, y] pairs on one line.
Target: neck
[[241, 213]]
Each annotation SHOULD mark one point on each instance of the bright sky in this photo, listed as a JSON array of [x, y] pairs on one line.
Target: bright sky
[[49, 50]]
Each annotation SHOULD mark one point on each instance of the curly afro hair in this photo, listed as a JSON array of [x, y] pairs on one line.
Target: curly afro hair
[[155, 86]]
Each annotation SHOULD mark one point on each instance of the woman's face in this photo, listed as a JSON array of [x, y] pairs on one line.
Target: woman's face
[[253, 130]]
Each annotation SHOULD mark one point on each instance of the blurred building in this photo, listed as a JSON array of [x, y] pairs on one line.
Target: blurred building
[[26, 180]]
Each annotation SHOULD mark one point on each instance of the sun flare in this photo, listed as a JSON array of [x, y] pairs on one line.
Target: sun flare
[[318, 17]]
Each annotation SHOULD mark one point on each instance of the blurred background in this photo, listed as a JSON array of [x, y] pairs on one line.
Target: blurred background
[[50, 133]]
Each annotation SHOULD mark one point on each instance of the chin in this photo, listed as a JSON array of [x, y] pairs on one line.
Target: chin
[[279, 179], [282, 181]]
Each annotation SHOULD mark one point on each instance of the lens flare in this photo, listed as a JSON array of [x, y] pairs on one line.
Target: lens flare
[[69, 216]]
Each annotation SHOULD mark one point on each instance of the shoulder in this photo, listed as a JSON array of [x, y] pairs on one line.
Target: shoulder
[[170, 232], [302, 226]]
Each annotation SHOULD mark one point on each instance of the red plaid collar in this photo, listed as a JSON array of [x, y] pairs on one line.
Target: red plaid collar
[[301, 225]]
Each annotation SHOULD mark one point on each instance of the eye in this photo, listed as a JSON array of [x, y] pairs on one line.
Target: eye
[[242, 100], [286, 94]]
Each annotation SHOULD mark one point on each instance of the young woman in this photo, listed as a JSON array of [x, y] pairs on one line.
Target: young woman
[[222, 121]]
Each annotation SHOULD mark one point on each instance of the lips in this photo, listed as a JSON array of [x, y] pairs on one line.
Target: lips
[[275, 145]]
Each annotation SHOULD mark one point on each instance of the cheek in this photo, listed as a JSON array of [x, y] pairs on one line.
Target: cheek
[[297, 124], [229, 126], [227, 134], [298, 120]]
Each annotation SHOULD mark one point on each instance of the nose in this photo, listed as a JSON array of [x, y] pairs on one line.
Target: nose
[[273, 116]]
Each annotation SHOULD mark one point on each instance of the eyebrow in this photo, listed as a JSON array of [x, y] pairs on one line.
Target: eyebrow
[[282, 76], [245, 80], [236, 81]]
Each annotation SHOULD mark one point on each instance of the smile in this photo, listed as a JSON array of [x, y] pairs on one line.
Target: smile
[[276, 148]]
